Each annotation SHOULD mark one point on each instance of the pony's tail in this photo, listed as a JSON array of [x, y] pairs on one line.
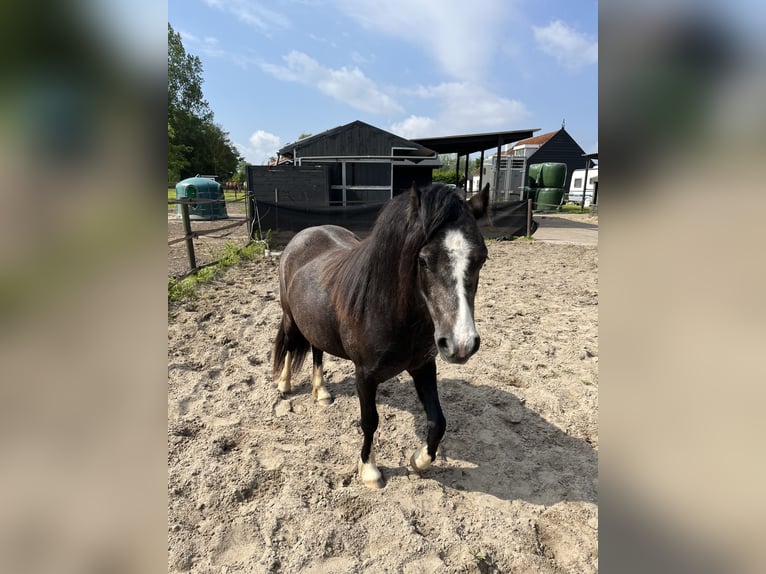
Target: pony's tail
[[296, 344]]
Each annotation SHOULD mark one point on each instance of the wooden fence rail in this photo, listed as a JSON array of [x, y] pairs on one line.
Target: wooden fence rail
[[190, 234]]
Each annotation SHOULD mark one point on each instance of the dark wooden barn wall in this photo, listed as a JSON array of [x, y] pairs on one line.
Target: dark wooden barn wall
[[305, 185]]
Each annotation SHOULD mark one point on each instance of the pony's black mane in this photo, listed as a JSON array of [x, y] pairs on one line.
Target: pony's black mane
[[381, 271]]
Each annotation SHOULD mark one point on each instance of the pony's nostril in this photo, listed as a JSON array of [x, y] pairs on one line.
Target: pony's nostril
[[442, 343], [476, 343]]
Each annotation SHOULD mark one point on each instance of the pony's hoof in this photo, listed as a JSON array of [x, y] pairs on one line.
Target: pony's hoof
[[374, 484], [322, 395], [420, 461], [370, 475]]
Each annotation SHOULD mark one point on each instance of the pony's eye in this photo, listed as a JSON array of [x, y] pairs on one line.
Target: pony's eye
[[423, 262]]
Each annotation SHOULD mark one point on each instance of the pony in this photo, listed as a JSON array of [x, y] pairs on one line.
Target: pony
[[390, 303]]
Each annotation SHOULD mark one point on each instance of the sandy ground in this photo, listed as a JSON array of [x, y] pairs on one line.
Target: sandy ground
[[261, 484]]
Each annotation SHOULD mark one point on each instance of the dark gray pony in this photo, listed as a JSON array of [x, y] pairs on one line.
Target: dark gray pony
[[388, 303]]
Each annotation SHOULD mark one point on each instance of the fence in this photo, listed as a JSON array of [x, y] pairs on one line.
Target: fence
[[184, 257], [257, 217]]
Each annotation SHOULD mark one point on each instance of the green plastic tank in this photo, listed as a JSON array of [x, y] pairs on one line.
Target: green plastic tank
[[530, 193], [552, 174], [533, 176], [202, 188], [549, 198]]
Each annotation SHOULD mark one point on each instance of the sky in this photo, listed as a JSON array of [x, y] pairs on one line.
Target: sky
[[417, 68]]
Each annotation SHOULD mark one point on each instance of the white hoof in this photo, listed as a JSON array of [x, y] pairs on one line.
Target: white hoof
[[370, 474], [421, 460], [323, 396], [284, 386]]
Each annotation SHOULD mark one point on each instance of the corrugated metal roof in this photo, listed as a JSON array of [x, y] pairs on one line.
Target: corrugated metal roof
[[471, 143]]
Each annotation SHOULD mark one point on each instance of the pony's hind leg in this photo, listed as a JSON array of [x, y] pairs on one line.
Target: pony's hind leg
[[318, 389], [290, 347], [283, 383]]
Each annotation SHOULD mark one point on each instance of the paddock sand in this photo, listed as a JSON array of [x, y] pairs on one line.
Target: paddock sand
[[261, 484]]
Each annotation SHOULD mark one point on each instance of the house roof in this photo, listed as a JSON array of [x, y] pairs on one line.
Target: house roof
[[470, 143], [540, 141], [537, 140]]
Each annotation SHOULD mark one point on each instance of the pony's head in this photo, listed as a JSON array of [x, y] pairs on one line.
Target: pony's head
[[449, 263]]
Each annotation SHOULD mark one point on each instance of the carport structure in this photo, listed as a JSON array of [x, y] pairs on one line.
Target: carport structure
[[467, 144]]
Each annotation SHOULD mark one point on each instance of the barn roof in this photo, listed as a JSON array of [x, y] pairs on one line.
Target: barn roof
[[419, 149]]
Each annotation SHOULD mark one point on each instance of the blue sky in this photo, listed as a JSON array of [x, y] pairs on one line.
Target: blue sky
[[417, 68]]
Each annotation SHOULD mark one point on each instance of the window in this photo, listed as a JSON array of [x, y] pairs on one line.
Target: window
[[578, 182]]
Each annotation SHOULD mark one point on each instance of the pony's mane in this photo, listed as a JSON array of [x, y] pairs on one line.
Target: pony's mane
[[382, 269]]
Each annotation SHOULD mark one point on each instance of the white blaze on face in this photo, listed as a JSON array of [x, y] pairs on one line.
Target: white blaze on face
[[459, 248]]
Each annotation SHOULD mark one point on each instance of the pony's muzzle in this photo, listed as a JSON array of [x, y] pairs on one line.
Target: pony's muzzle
[[454, 351]]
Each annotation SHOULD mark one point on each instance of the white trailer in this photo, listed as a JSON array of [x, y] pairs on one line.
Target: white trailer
[[578, 183]]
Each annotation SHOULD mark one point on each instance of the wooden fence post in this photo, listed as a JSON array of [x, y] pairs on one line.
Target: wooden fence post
[[529, 218], [189, 238]]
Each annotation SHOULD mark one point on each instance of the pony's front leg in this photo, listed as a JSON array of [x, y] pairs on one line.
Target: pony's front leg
[[368, 471], [318, 389], [425, 385]]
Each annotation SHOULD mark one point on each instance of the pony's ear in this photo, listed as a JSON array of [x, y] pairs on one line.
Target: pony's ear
[[479, 203], [414, 201]]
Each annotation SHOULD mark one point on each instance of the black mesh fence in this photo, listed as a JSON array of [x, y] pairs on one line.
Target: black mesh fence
[[505, 219]]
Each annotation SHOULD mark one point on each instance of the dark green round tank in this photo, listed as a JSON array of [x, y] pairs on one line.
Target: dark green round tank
[[202, 188], [552, 175], [549, 198], [530, 193], [533, 176]]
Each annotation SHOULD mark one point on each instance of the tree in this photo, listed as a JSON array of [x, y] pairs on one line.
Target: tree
[[196, 144], [185, 80], [241, 174], [176, 156]]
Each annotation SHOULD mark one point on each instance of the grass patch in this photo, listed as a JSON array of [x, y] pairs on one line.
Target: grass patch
[[572, 208], [186, 288]]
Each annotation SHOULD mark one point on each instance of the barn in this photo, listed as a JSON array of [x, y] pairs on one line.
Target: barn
[[344, 175], [352, 164], [557, 146]]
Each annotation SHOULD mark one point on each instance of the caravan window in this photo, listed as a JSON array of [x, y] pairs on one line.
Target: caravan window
[[578, 182]]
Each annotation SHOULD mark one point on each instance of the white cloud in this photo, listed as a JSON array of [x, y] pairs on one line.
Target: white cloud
[[347, 85], [572, 49], [253, 13], [463, 108], [462, 47], [414, 127], [262, 145], [207, 46]]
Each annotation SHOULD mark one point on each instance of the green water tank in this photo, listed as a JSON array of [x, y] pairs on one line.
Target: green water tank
[[549, 198], [534, 174], [552, 175], [202, 188], [530, 193]]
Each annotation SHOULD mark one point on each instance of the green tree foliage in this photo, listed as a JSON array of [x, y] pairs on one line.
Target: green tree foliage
[[196, 144], [241, 174]]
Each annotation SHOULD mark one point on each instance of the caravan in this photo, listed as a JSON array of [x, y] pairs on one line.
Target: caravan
[[576, 186]]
